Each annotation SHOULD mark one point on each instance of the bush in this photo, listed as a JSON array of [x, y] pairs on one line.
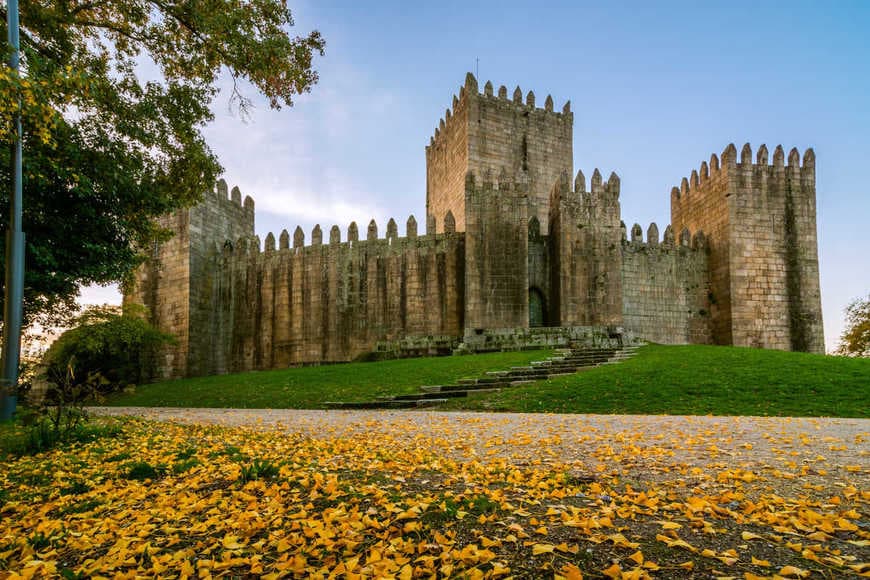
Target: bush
[[855, 340], [108, 349]]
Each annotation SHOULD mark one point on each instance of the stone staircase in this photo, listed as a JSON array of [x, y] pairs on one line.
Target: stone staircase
[[565, 361]]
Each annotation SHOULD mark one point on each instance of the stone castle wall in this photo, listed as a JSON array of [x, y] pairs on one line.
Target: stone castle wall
[[446, 154], [586, 256], [211, 224], [162, 284], [496, 256], [334, 301], [701, 204], [486, 133], [510, 245], [175, 283], [760, 222], [665, 287]]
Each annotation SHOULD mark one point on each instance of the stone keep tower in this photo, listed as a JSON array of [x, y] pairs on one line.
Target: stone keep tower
[[487, 133], [176, 283], [760, 221]]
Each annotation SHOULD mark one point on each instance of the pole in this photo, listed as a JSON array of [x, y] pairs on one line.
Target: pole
[[12, 312]]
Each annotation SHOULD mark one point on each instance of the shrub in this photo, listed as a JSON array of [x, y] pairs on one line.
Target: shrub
[[108, 349]]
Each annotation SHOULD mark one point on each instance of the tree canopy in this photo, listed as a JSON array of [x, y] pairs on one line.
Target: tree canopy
[[855, 340], [113, 95]]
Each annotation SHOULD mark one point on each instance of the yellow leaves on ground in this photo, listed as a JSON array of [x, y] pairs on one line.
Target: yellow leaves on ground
[[380, 503], [794, 572], [539, 549]]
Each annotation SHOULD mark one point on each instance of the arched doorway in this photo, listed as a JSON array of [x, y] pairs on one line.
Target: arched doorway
[[537, 308]]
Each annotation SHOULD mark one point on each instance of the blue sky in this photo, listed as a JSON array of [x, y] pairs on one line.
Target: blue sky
[[655, 87]]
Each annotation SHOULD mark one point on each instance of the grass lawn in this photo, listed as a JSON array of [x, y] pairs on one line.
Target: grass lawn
[[699, 380], [311, 387], [691, 380]]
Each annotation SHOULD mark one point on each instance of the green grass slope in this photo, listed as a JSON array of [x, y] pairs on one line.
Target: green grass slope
[[700, 380], [690, 380], [311, 387]]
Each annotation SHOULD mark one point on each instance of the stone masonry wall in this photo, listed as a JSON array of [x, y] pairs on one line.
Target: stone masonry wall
[[175, 284], [774, 259], [586, 252], [446, 163], [665, 287], [162, 285], [760, 222], [211, 224], [333, 301], [489, 133], [701, 204], [496, 266]]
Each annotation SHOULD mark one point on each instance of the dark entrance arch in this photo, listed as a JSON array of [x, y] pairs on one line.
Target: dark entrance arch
[[537, 308]]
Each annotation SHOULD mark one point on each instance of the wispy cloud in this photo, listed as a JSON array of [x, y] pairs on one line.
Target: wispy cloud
[[301, 165]]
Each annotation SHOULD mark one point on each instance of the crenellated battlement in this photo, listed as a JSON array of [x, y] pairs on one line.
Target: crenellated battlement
[[246, 246], [517, 102], [742, 167], [489, 181], [685, 239], [232, 198], [599, 204]]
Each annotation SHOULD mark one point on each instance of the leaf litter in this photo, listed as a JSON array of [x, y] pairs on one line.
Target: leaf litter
[[444, 495]]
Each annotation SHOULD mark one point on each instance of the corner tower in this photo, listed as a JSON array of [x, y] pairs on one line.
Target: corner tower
[[490, 133], [176, 282], [760, 222]]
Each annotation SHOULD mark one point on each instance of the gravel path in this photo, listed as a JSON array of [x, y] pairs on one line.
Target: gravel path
[[807, 450]]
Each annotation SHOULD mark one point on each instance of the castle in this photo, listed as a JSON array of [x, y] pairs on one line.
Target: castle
[[514, 254]]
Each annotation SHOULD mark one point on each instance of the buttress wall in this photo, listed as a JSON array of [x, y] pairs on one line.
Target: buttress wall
[[497, 250], [331, 301], [586, 252], [211, 224], [665, 286], [486, 132], [761, 225], [175, 282]]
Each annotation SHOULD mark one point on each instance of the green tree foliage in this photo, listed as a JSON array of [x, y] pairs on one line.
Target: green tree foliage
[[107, 150], [855, 340], [107, 349]]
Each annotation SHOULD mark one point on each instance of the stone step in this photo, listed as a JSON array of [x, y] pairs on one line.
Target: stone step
[[565, 362], [425, 396], [540, 372], [480, 388], [478, 381]]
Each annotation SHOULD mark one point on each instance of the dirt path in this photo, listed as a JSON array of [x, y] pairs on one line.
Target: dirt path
[[816, 451]]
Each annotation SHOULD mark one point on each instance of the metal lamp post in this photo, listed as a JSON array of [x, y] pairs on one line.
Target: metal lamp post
[[12, 313]]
